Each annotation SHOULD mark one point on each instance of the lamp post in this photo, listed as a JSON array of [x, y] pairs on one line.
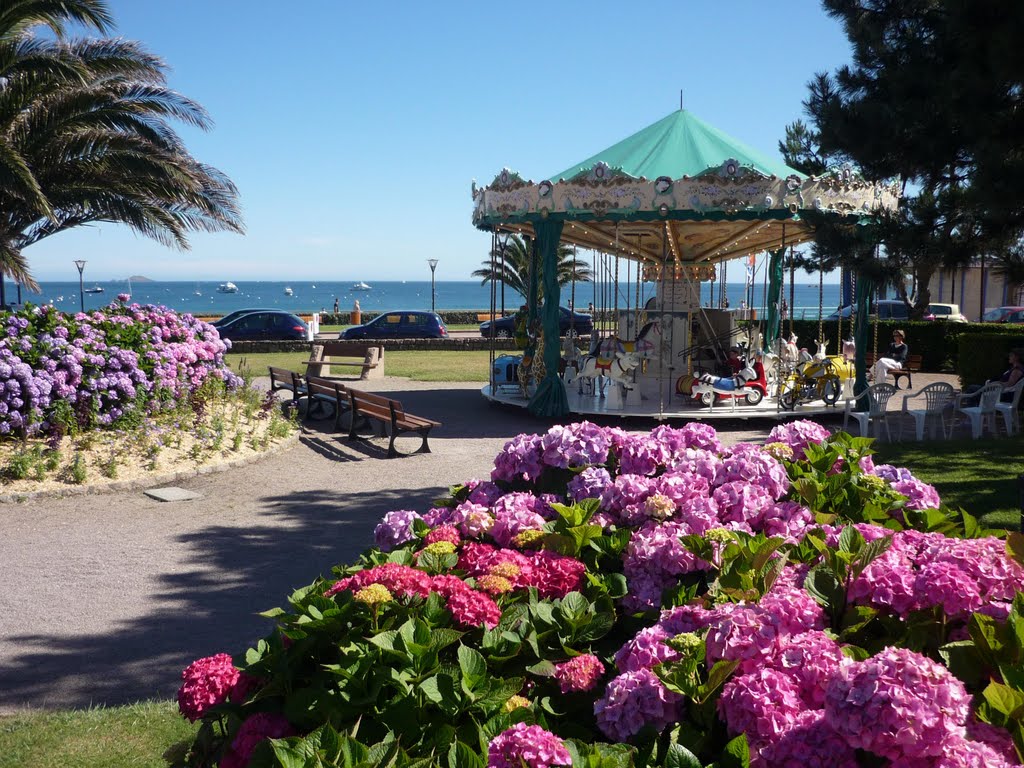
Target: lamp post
[[433, 266], [80, 263]]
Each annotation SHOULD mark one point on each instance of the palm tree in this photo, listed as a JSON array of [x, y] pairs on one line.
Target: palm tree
[[85, 137], [514, 270]]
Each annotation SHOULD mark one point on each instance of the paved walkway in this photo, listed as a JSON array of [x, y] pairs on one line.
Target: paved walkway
[[107, 597]]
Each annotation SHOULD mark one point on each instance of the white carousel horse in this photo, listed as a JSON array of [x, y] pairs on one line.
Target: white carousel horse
[[820, 353], [617, 370], [790, 353]]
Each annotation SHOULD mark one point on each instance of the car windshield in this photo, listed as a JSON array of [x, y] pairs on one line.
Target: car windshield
[[939, 309], [993, 314]]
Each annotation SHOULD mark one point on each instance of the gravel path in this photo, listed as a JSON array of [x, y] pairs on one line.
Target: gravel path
[[107, 597]]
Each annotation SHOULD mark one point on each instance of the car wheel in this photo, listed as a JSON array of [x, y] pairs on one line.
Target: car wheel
[[754, 396], [504, 334], [787, 400], [572, 333], [707, 398]]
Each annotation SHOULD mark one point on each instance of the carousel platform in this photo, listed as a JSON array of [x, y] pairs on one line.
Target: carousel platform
[[676, 408]]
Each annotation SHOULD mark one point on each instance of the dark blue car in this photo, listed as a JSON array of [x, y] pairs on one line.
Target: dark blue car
[[399, 325], [265, 325], [569, 323]]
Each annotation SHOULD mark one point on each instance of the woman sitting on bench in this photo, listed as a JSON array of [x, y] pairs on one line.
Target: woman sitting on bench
[[896, 357]]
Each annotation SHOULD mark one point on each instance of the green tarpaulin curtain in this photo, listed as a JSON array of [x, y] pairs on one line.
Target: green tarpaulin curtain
[[776, 268], [549, 400], [865, 290]]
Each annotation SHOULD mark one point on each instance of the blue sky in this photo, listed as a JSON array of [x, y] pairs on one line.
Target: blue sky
[[354, 130]]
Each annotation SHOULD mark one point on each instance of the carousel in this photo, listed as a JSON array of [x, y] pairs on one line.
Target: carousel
[[657, 213]]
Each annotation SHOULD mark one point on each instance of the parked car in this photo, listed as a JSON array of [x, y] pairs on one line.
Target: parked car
[[505, 327], [949, 312], [399, 325], [1004, 315], [886, 309], [221, 322], [265, 325]]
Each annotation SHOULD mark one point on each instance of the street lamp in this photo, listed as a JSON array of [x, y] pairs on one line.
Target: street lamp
[[433, 266], [80, 263]]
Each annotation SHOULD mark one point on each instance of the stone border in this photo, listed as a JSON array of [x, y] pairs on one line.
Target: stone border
[[149, 481]]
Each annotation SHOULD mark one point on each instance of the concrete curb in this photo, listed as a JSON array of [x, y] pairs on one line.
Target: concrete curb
[[150, 481]]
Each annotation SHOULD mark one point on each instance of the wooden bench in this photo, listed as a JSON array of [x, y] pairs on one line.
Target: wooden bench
[[325, 354], [912, 366], [329, 392], [288, 381], [483, 317], [368, 408]]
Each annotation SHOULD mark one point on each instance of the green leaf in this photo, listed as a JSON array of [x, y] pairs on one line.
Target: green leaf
[[542, 669], [1004, 699], [462, 756], [273, 613], [678, 756], [440, 689], [716, 678], [574, 607], [855, 652], [851, 540], [1015, 546], [824, 587], [473, 666], [385, 640], [736, 753]]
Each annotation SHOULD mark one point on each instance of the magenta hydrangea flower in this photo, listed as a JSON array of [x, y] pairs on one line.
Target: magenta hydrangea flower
[[555, 575], [624, 499], [810, 659], [527, 746], [798, 435], [580, 673], [742, 503], [395, 529], [751, 464], [468, 607], [897, 704], [653, 560], [443, 533], [919, 495], [206, 683], [483, 492], [641, 454], [645, 650], [762, 703], [809, 742], [634, 700]]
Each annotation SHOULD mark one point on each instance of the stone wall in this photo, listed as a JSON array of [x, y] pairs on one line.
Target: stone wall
[[394, 345]]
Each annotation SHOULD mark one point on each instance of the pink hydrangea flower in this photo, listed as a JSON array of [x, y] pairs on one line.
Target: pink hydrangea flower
[[206, 683], [519, 459], [646, 649], [634, 700], [527, 746], [262, 725], [798, 435], [443, 533], [897, 704], [513, 514], [399, 580], [555, 575], [468, 607], [589, 484], [580, 673], [395, 529]]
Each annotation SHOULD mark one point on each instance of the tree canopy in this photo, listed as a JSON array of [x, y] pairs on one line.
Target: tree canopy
[[86, 136], [933, 96], [514, 269]]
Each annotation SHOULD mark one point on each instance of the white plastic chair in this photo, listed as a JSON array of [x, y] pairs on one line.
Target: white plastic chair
[[877, 396], [985, 411], [938, 401], [1011, 410]]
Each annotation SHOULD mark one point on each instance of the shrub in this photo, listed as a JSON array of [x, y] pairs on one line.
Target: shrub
[[614, 599], [63, 373], [983, 355]]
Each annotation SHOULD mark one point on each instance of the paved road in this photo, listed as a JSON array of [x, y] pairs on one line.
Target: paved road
[[107, 597]]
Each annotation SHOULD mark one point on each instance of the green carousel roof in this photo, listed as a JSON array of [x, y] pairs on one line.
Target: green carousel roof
[[678, 145]]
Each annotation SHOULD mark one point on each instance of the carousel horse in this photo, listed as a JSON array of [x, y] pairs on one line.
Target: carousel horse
[[790, 353], [625, 357], [849, 349]]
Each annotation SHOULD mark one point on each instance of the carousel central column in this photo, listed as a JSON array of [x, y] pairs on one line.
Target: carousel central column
[[549, 400], [774, 299]]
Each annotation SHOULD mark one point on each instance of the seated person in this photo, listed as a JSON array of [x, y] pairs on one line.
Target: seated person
[[895, 357], [734, 360], [1009, 379]]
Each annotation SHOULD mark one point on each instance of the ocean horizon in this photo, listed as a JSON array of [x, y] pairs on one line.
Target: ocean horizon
[[201, 297]]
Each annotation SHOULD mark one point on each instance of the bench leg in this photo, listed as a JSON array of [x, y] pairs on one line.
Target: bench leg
[[424, 446]]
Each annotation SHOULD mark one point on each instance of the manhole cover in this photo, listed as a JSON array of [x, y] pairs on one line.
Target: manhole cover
[[172, 494]]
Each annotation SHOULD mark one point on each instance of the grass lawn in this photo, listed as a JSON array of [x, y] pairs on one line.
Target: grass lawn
[[138, 735], [416, 365], [978, 475]]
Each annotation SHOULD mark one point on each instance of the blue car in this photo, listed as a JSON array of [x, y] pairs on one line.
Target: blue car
[[399, 325], [265, 325], [569, 324]]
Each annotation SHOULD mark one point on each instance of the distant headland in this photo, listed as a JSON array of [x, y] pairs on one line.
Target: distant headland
[[138, 279]]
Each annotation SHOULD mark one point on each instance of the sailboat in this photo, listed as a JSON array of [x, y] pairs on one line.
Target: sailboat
[[360, 286]]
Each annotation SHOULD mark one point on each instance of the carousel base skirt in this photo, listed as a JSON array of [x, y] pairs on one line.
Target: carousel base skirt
[[675, 408]]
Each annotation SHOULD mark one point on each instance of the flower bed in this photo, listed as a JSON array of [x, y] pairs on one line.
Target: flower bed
[[64, 373], [614, 599], [117, 394]]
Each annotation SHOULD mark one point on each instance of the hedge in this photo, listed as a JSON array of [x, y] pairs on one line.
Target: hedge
[[983, 354]]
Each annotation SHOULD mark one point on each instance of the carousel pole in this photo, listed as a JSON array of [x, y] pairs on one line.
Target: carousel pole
[[494, 292], [792, 288]]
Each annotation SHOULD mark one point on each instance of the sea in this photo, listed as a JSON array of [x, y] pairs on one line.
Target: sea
[[202, 298]]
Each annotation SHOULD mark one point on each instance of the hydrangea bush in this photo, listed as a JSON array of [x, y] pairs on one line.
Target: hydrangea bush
[[608, 598], [61, 372]]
